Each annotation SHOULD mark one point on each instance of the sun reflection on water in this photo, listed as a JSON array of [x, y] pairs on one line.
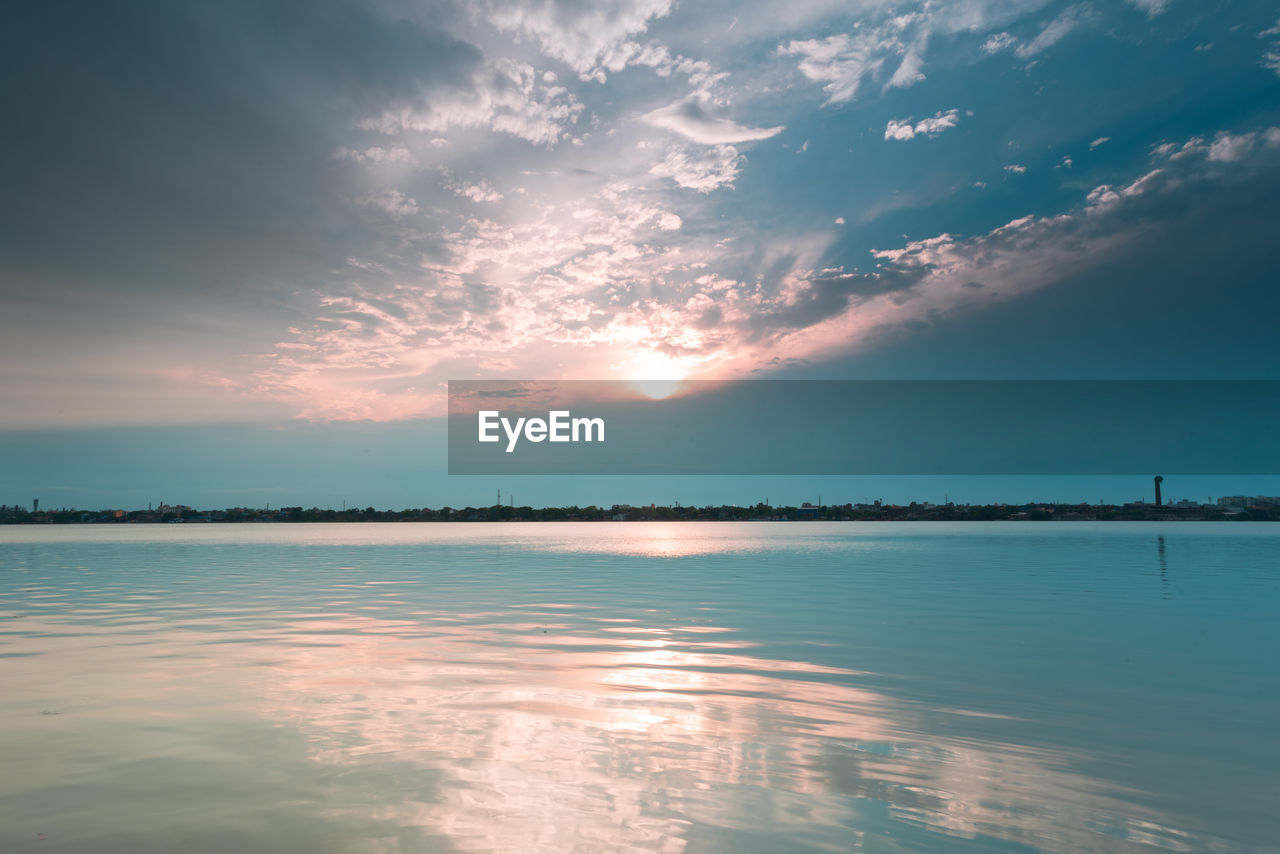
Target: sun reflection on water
[[548, 735], [543, 736]]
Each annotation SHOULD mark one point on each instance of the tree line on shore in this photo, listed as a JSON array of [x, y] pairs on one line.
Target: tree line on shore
[[879, 511]]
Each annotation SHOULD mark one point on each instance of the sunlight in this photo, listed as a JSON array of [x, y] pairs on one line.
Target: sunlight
[[656, 375]]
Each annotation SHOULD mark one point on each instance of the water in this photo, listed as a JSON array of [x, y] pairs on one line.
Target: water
[[689, 687]]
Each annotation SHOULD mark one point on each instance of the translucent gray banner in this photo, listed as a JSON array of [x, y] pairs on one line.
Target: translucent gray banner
[[867, 427]]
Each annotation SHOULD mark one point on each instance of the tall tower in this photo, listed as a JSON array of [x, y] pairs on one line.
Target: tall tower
[[35, 505], [1159, 479]]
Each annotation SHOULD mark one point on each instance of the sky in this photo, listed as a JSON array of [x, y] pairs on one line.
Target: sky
[[245, 245]]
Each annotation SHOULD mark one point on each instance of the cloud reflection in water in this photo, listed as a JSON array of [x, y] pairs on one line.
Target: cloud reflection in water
[[654, 688], [551, 735]]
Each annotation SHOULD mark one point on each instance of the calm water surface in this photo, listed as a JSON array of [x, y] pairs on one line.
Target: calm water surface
[[687, 687]]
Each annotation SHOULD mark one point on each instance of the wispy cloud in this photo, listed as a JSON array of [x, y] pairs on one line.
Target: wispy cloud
[[1151, 7], [843, 62], [1271, 58], [1053, 32], [556, 188], [596, 287], [505, 96], [480, 191], [998, 42], [397, 154], [390, 201], [587, 38], [693, 118]]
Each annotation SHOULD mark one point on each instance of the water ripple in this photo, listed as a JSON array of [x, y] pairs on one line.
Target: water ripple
[[659, 688]]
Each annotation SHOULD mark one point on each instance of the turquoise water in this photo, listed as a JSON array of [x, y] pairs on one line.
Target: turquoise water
[[689, 687]]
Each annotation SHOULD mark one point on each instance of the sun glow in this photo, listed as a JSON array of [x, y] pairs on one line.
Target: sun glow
[[656, 375]]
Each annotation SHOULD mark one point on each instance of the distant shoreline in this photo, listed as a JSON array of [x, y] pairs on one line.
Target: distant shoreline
[[1259, 509], [1232, 520]]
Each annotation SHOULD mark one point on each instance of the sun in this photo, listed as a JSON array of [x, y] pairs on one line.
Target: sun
[[656, 375]]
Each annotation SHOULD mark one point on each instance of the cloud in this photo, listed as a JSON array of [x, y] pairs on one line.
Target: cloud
[[1049, 35], [1231, 148], [1228, 148], [1102, 140], [929, 279], [377, 154], [701, 75], [575, 277], [1225, 148], [1015, 169], [418, 203], [1271, 59], [479, 192], [691, 118], [910, 69], [599, 282], [841, 62], [1054, 32], [1151, 7], [1173, 151], [902, 129], [1105, 196], [888, 43], [583, 35], [997, 43], [390, 201], [890, 47], [504, 96], [703, 170]]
